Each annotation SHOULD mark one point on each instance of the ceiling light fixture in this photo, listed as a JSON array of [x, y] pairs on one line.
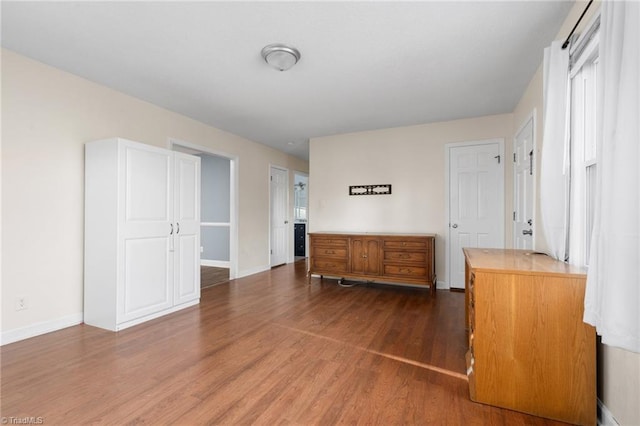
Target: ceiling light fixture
[[280, 56]]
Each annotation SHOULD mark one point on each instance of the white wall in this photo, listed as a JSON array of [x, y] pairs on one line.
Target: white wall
[[618, 370], [47, 116], [411, 159]]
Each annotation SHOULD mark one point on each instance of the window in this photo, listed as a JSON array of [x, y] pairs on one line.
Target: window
[[584, 155]]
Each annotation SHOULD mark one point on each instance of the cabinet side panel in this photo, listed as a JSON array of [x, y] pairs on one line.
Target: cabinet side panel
[[101, 181], [532, 351]]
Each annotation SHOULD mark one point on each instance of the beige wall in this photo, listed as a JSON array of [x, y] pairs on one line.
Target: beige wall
[[619, 370], [411, 159], [47, 116]]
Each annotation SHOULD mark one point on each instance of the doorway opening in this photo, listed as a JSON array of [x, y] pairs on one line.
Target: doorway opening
[[300, 214], [218, 216]]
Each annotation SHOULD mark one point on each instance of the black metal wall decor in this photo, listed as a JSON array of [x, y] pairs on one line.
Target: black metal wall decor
[[370, 189]]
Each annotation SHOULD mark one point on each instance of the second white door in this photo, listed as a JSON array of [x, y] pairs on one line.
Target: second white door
[[279, 219], [476, 202], [523, 172]]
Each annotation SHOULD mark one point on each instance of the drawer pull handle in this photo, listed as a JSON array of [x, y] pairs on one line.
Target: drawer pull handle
[[329, 252], [404, 256], [405, 270]]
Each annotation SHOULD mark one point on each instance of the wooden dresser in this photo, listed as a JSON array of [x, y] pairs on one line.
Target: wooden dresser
[[391, 258], [529, 350]]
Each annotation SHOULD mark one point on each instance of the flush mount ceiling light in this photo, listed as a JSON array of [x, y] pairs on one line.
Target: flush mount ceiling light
[[280, 56]]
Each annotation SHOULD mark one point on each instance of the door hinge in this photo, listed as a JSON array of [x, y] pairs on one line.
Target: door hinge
[[271, 251], [514, 157], [514, 216]]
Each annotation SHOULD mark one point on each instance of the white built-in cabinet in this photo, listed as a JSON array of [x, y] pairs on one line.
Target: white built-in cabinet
[[142, 232]]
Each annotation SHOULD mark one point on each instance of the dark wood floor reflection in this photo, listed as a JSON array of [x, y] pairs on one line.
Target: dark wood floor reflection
[[264, 349]]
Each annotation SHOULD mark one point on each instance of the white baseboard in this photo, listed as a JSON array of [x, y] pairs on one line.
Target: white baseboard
[[39, 328], [216, 263], [441, 285], [247, 272], [605, 418]]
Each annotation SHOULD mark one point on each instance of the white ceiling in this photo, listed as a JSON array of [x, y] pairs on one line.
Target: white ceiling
[[364, 65]]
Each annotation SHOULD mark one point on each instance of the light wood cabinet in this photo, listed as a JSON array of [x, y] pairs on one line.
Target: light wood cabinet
[[391, 258], [142, 232], [529, 349]]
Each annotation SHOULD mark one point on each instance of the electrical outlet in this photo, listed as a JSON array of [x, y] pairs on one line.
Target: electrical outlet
[[21, 303]]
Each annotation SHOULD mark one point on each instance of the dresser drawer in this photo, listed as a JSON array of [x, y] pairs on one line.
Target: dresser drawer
[[332, 252], [330, 242], [405, 256], [405, 244], [418, 272], [328, 266]]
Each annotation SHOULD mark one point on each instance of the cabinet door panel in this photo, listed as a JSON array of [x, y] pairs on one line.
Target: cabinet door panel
[[365, 256], [357, 256], [187, 233], [147, 185], [187, 272], [373, 257], [146, 264], [145, 277]]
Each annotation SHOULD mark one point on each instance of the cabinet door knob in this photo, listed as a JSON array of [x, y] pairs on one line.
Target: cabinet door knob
[[178, 224], [455, 225], [171, 233]]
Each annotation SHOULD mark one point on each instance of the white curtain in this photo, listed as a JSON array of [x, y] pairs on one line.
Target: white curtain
[[554, 163], [612, 300]]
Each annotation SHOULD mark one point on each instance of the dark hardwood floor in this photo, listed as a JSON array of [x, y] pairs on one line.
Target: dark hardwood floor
[[265, 349], [210, 275]]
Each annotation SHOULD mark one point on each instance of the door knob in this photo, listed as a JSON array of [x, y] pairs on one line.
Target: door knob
[[286, 221], [527, 232], [455, 225]]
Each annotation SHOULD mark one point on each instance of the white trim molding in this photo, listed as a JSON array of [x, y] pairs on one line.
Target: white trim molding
[[44, 327], [215, 263], [605, 418]]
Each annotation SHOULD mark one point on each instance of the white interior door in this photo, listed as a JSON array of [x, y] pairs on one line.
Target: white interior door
[[524, 178], [279, 220], [476, 202], [187, 228], [146, 269]]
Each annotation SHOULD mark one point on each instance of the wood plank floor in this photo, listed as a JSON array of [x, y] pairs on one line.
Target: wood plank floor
[[265, 349], [210, 275]]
